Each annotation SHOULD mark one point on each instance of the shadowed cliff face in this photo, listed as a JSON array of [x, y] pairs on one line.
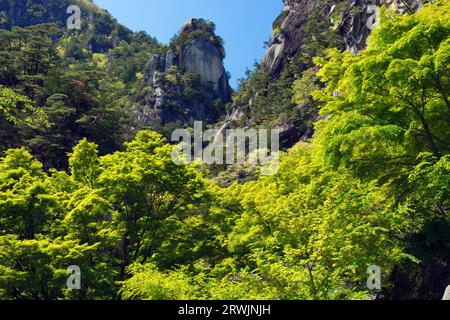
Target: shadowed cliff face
[[301, 32], [305, 29], [352, 19], [289, 32]]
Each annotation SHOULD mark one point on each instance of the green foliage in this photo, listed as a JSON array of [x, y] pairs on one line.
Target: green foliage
[[371, 187], [199, 29], [148, 283], [19, 110], [23, 204], [268, 99], [393, 93], [110, 212], [36, 269], [305, 87], [55, 90], [84, 163]]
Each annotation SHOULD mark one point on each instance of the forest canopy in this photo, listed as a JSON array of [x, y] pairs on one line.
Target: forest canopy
[[371, 188]]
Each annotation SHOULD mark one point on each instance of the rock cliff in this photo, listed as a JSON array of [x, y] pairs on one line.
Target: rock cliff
[[188, 81], [204, 59], [290, 32], [304, 30], [352, 19]]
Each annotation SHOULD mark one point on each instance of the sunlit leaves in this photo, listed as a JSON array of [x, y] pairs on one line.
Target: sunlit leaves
[[19, 109]]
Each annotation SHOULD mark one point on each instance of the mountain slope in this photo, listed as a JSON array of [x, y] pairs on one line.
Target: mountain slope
[[368, 192], [303, 31], [116, 72], [82, 80]]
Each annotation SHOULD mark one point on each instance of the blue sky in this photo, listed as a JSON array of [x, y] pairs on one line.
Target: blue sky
[[243, 24]]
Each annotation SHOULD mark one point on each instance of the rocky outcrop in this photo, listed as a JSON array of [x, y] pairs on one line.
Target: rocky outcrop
[[352, 19], [204, 59], [290, 31], [200, 57], [358, 18], [303, 30], [153, 66], [300, 22], [195, 51]]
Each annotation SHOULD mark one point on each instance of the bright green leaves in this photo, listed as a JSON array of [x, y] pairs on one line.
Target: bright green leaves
[[147, 283], [318, 238], [305, 87], [37, 269], [87, 217], [442, 57], [145, 174], [111, 211], [398, 88], [386, 137], [84, 163], [430, 184], [355, 143], [19, 109], [150, 193], [19, 163], [351, 198], [23, 201], [371, 189]]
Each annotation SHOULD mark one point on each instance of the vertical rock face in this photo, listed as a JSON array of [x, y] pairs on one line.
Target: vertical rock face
[[204, 59], [302, 31], [169, 60], [359, 16], [289, 32], [201, 56], [353, 20], [196, 50], [153, 66]]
